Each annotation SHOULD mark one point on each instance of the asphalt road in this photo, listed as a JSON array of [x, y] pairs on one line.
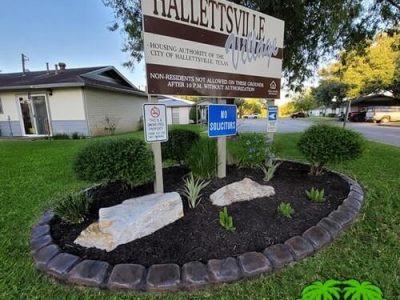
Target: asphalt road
[[373, 132]]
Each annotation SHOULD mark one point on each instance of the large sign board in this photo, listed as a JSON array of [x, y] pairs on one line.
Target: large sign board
[[211, 48], [155, 123], [272, 119], [222, 120]]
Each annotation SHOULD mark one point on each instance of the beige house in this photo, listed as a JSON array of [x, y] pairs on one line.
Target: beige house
[[88, 101]]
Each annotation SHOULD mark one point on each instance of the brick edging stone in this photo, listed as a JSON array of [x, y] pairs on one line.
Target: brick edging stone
[[71, 269]]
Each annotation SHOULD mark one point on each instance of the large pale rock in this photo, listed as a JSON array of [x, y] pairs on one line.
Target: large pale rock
[[244, 190], [131, 220]]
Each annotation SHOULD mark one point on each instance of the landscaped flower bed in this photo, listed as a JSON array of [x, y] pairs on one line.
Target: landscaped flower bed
[[196, 249]]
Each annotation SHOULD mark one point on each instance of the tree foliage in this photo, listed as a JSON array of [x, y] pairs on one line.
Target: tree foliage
[[356, 74], [313, 29], [305, 101], [330, 92]]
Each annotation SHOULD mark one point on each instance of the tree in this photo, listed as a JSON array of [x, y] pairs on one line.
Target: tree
[[240, 103], [363, 73], [305, 102], [313, 29], [328, 90]]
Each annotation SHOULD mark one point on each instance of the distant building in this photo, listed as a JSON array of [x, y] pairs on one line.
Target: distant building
[[178, 110], [89, 101]]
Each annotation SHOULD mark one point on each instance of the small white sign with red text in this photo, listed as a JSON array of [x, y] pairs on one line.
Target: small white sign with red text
[[155, 123]]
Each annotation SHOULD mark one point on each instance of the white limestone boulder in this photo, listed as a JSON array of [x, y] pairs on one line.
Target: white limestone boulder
[[244, 190], [131, 220]]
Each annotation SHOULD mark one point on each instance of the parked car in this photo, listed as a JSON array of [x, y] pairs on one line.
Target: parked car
[[299, 114], [357, 116], [252, 116], [383, 114]]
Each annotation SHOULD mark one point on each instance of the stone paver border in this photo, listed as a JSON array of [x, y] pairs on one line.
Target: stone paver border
[[71, 269]]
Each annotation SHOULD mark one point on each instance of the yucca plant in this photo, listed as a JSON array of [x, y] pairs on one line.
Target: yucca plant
[[192, 190], [226, 220], [72, 207], [328, 290], [316, 195], [285, 210], [365, 290], [269, 170]]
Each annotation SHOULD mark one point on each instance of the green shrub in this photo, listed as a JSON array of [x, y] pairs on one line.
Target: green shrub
[[285, 210], [192, 190], [249, 149], [322, 144], [72, 207], [225, 220], [316, 195], [202, 159], [61, 136], [179, 143], [120, 159]]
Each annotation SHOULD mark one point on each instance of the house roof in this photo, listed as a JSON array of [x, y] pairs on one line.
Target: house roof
[[376, 98], [105, 77], [170, 101]]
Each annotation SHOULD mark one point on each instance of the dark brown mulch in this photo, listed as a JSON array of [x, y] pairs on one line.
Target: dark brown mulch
[[198, 236]]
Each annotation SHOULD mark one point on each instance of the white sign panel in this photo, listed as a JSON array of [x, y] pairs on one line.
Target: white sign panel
[[211, 48], [155, 123], [272, 126]]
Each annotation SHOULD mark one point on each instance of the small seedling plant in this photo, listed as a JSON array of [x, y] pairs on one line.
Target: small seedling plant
[[285, 210], [225, 220], [192, 190], [269, 170], [315, 195]]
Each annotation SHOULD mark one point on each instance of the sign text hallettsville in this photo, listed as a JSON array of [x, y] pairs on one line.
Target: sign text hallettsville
[[211, 48]]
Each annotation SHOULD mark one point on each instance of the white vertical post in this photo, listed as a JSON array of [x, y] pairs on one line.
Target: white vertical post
[[221, 143], [156, 147]]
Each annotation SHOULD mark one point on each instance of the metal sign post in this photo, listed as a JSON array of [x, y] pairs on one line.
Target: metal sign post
[[155, 132], [222, 122], [272, 121]]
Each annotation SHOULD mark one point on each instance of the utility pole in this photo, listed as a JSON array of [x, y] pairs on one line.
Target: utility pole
[[24, 59]]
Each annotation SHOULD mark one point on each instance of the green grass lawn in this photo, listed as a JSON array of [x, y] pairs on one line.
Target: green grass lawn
[[33, 172]]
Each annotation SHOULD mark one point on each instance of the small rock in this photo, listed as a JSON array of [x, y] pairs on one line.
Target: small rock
[[318, 236], [39, 231], [300, 247], [163, 277], [254, 263], [89, 272], [329, 225], [244, 190], [41, 242], [279, 255], [131, 220], [194, 274], [224, 270], [44, 255], [60, 265], [126, 277]]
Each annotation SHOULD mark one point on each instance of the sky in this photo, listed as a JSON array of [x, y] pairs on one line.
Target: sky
[[53, 31]]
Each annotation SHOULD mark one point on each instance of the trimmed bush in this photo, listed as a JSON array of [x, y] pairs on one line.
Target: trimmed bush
[[202, 159], [323, 144], [179, 143], [249, 150], [119, 159]]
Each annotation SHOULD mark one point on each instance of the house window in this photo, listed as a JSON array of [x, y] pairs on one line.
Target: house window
[[1, 107]]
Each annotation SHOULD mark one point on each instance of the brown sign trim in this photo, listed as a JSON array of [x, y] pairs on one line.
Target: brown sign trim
[[183, 81], [190, 33]]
